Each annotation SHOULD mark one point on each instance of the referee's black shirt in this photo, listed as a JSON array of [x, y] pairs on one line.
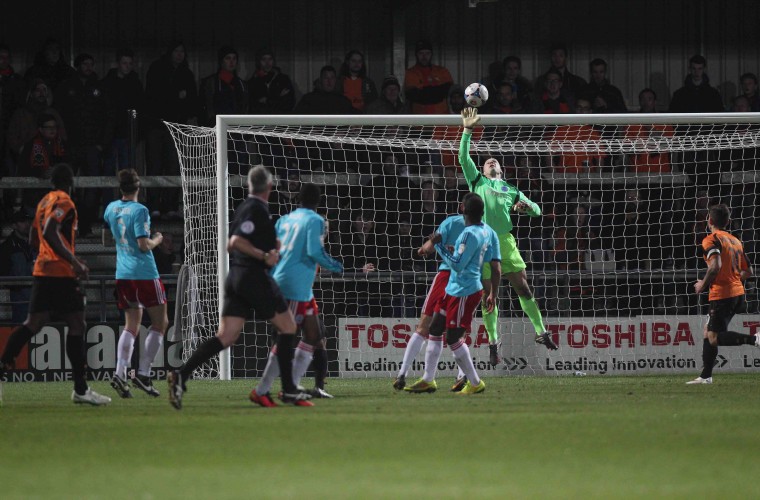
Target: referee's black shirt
[[253, 222]]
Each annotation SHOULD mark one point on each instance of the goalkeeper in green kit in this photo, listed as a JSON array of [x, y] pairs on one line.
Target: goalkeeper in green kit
[[500, 197]]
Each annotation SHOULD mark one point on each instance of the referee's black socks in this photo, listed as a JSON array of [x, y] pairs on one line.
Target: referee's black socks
[[16, 342], [285, 359], [75, 352], [205, 351]]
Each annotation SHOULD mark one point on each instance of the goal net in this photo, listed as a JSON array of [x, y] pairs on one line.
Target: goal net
[[612, 260]]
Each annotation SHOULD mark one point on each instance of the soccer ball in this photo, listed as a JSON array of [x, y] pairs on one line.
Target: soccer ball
[[475, 95]]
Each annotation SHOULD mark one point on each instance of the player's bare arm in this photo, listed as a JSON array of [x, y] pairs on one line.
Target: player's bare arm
[[244, 246], [713, 268], [147, 244], [34, 239], [52, 234], [428, 247]]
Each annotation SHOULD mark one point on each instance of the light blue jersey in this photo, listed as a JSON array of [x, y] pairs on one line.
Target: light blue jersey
[[301, 234], [477, 244], [129, 221], [450, 229]]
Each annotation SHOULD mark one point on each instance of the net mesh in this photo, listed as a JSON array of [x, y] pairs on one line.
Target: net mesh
[[611, 261]]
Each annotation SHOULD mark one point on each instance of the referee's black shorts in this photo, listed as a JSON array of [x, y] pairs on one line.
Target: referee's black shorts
[[257, 291], [58, 295], [722, 311]]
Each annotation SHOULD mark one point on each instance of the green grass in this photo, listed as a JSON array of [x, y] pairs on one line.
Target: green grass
[[592, 437]]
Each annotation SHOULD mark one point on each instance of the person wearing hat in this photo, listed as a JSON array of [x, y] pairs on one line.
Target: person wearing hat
[[389, 102], [271, 91], [427, 85], [223, 92], [17, 259]]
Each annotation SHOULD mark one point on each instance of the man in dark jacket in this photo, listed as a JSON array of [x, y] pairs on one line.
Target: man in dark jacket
[[223, 92], [696, 96], [325, 99], [271, 90], [603, 96]]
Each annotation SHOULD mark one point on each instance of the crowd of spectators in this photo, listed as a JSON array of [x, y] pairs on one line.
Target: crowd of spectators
[[55, 113]]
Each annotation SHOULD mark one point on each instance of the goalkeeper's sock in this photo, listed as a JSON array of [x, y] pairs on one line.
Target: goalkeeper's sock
[[16, 342], [301, 361], [464, 360], [320, 367], [410, 353], [709, 353], [530, 308], [75, 352], [153, 343], [285, 359], [271, 372], [124, 353], [730, 338], [205, 351], [491, 322], [432, 356]]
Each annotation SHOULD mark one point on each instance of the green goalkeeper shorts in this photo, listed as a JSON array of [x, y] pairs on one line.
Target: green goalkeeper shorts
[[511, 261]]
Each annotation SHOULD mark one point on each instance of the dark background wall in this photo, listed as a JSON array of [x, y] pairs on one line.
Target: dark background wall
[[646, 42]]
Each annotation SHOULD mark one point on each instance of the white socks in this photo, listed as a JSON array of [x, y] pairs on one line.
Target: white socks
[[411, 352], [153, 343], [462, 355], [432, 356], [301, 361], [124, 353]]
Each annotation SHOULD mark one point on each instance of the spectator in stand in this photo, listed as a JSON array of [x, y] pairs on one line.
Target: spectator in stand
[[604, 97], [494, 77], [364, 249], [354, 83], [172, 95], [389, 102], [17, 259], [402, 253], [325, 99], [11, 98], [553, 100], [271, 90], [24, 123], [696, 96], [223, 92], [572, 85], [428, 213], [124, 92], [284, 199], [503, 101], [43, 151], [741, 104], [164, 255], [521, 86], [646, 136], [84, 109], [573, 162], [50, 65], [453, 191], [456, 100], [426, 85], [748, 82]]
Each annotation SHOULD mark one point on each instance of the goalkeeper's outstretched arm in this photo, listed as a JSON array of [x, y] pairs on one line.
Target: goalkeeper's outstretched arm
[[525, 206], [470, 118]]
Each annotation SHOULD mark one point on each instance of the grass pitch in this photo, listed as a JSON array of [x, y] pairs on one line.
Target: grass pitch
[[592, 437]]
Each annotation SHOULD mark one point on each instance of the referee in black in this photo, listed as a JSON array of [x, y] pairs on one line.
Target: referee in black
[[253, 249]]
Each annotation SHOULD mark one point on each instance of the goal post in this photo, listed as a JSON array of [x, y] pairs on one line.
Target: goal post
[[600, 298]]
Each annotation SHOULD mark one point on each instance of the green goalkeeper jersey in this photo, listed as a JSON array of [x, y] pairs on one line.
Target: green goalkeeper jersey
[[498, 195]]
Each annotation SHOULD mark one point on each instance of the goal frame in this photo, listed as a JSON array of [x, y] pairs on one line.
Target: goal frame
[[224, 122]]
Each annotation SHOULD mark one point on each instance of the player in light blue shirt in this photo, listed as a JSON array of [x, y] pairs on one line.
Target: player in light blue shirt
[[301, 234], [446, 234], [138, 285], [478, 243]]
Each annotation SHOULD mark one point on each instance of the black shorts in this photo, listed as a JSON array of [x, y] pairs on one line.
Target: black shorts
[[244, 291], [722, 311], [59, 295]]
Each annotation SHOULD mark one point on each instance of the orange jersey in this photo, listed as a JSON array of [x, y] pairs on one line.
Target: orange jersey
[[655, 162], [56, 205], [573, 161], [420, 77], [728, 283]]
